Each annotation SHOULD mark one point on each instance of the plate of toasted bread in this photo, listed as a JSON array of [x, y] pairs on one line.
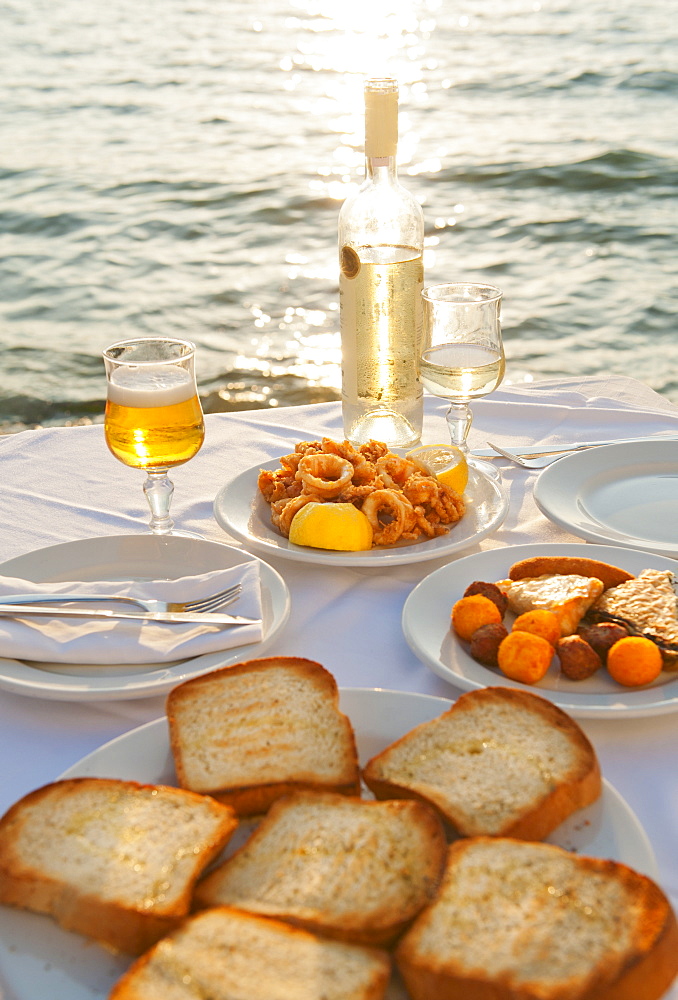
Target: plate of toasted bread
[[332, 884], [595, 591]]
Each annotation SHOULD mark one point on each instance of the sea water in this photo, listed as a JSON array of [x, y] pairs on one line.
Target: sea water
[[176, 167]]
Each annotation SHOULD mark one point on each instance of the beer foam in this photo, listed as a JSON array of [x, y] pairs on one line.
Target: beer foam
[[152, 385]]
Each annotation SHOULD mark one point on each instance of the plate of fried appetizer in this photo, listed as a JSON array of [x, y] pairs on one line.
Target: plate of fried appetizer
[[410, 516], [485, 619]]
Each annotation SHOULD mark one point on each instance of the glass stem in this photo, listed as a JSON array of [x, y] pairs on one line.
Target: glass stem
[[159, 489], [459, 418]]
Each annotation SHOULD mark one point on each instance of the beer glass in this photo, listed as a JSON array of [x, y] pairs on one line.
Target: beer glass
[[153, 416]]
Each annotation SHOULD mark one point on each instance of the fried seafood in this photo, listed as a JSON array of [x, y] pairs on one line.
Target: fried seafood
[[373, 450], [364, 470], [401, 502], [282, 511], [324, 474], [278, 485], [394, 471], [391, 515], [436, 505]]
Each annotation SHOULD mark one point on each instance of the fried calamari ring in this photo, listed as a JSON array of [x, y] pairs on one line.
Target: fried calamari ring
[[324, 475], [390, 514], [373, 450], [356, 494], [440, 504], [277, 485], [394, 471], [422, 490], [364, 471], [344, 449], [282, 511]]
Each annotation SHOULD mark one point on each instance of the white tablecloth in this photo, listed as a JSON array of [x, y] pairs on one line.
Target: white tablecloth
[[61, 484]]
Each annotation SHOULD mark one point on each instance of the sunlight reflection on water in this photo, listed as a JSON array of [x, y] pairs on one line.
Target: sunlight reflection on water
[[178, 169]]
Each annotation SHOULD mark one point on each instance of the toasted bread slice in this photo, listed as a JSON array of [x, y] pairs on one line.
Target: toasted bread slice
[[500, 762], [610, 575], [536, 922], [112, 860], [647, 605], [346, 868], [568, 597], [224, 953], [250, 733]]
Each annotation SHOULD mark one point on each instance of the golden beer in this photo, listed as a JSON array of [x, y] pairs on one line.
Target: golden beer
[[153, 418]]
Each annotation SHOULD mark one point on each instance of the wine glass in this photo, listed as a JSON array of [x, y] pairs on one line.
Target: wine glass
[[462, 355], [153, 418]]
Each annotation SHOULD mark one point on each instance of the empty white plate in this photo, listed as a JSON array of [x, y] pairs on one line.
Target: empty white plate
[[620, 494]]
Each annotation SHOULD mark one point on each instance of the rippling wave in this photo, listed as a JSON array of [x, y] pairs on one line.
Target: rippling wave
[[175, 168]]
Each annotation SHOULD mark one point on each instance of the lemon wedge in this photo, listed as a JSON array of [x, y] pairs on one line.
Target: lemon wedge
[[331, 526], [444, 461]]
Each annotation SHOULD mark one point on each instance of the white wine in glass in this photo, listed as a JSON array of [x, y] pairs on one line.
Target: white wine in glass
[[462, 355], [153, 419]]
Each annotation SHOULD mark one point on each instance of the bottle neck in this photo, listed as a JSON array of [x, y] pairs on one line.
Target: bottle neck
[[381, 169]]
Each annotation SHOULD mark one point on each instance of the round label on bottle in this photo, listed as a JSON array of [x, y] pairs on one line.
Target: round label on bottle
[[349, 261]]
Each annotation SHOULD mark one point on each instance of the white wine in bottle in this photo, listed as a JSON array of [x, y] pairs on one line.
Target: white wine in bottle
[[381, 238]]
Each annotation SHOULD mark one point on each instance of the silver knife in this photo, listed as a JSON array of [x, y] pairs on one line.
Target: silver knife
[[524, 451], [168, 617]]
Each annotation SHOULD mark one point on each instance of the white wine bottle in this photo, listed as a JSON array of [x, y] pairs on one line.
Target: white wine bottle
[[381, 239]]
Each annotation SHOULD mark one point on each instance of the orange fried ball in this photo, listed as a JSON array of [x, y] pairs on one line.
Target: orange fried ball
[[539, 622], [634, 660], [470, 613], [524, 657]]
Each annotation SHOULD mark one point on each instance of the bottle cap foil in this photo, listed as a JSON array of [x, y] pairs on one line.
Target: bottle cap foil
[[381, 117]]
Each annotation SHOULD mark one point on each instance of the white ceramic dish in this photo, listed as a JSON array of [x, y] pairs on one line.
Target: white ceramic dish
[[426, 625], [38, 959], [125, 557], [241, 511], [622, 494]]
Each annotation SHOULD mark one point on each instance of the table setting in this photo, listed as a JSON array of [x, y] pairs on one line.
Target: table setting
[[91, 701]]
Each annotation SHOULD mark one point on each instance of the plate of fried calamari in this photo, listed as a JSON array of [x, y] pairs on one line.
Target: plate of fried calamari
[[414, 517]]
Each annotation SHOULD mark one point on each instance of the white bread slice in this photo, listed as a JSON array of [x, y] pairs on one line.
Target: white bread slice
[[518, 921], [252, 732], [500, 762], [349, 869], [112, 860], [226, 954]]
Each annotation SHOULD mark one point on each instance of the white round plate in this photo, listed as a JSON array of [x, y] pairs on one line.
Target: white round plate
[[129, 557], [241, 510], [426, 625], [38, 959], [620, 494]]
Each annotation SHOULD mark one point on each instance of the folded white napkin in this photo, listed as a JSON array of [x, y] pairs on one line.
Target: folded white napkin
[[98, 641]]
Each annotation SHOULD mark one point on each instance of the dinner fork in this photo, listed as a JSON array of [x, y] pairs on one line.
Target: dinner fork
[[212, 603], [537, 462]]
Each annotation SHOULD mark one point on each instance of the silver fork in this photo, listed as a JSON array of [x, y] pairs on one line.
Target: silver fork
[[538, 462], [212, 603]]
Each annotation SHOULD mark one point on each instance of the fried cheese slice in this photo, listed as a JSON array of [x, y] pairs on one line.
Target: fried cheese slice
[[568, 596], [648, 605]]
